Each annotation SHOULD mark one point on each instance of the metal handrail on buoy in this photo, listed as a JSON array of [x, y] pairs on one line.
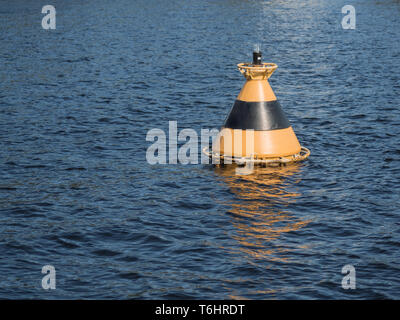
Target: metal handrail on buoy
[[302, 155], [251, 71]]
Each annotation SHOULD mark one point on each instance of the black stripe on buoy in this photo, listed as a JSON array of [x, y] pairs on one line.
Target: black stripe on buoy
[[260, 115]]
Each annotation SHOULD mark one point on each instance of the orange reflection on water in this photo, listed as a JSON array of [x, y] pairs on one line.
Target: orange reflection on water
[[260, 215]]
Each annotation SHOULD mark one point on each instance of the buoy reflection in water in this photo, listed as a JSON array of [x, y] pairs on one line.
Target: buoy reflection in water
[[260, 215]]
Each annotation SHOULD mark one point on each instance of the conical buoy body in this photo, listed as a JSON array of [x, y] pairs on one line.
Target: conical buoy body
[[256, 126]]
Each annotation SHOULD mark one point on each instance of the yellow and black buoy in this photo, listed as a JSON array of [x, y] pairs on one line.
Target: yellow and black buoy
[[256, 129]]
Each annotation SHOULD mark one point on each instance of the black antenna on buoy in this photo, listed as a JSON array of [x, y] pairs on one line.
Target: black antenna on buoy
[[257, 55]]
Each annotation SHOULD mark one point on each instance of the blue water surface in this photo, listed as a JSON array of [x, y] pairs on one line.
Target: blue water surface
[[77, 193]]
